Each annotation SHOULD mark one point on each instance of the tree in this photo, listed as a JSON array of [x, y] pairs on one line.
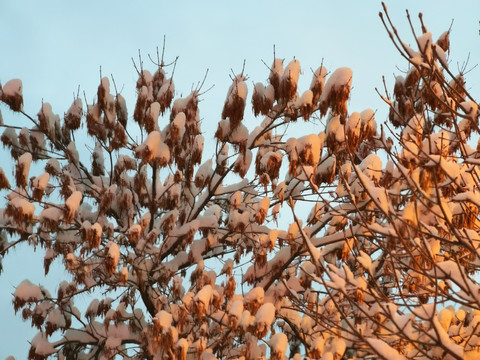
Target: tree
[[383, 266]]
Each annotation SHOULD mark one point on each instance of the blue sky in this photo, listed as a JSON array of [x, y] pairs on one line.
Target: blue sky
[[55, 46]]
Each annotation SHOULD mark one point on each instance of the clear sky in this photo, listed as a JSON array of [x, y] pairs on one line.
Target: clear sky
[[56, 46]]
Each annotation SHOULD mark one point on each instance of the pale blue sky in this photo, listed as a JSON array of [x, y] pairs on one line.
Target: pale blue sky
[[54, 46]]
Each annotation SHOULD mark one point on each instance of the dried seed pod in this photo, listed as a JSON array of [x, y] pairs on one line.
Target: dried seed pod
[[22, 169], [11, 94], [411, 80], [242, 164], [305, 104], [4, 184], [257, 98], [141, 105], [444, 41], [234, 106], [165, 95], [121, 110], [276, 73], [318, 83], [39, 184], [71, 206], [399, 88], [369, 125], [95, 122], [353, 128], [326, 170], [112, 257], [289, 80], [337, 92], [74, 115], [103, 91], [119, 138], [335, 135], [151, 117], [157, 81]]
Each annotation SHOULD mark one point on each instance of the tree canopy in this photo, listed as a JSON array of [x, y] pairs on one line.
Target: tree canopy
[[360, 241]]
